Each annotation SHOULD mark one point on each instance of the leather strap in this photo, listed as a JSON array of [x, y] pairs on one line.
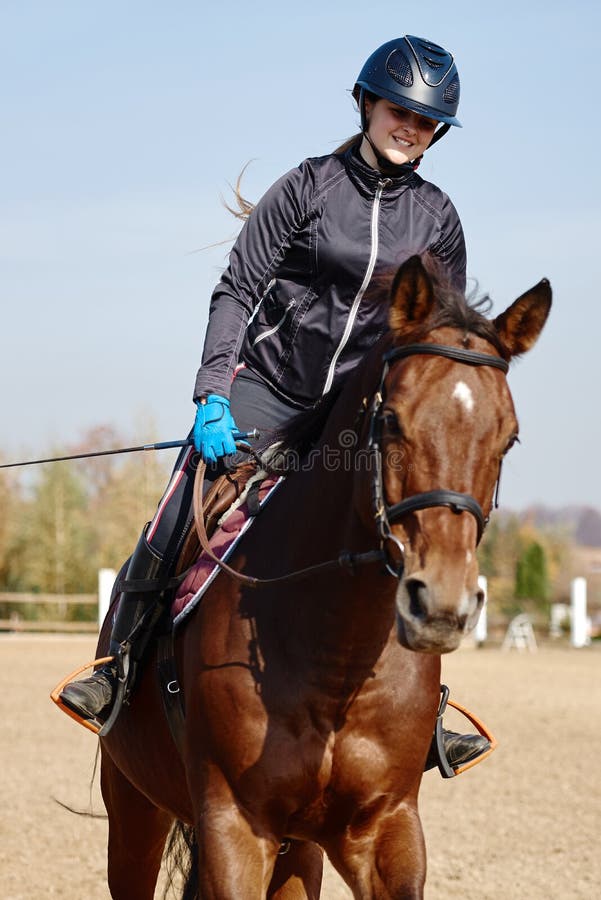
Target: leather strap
[[171, 692], [452, 499], [459, 354]]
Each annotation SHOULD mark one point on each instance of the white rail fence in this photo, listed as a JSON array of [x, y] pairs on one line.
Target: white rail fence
[[19, 621], [575, 615]]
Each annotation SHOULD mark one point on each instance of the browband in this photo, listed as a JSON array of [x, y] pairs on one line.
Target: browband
[[469, 357]]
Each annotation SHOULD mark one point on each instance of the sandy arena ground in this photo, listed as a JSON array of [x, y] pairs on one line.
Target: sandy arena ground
[[524, 824]]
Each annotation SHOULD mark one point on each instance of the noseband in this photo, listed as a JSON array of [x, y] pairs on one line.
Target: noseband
[[386, 515]]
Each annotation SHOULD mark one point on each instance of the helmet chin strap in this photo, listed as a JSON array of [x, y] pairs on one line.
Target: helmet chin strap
[[438, 134]]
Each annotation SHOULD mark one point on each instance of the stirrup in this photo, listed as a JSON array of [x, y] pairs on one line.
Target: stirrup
[[91, 724], [444, 767], [101, 728]]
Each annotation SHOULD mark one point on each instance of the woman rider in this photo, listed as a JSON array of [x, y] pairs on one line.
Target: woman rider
[[287, 322]]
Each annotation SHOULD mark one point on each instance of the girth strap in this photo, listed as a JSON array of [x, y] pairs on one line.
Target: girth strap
[[171, 691], [452, 499]]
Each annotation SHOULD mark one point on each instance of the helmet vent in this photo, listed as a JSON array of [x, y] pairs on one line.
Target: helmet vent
[[434, 62], [451, 92], [399, 68]]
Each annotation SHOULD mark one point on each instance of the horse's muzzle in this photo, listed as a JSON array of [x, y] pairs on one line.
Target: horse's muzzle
[[429, 620]]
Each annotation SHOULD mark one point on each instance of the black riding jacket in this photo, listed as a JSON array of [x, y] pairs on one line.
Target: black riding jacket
[[294, 304]]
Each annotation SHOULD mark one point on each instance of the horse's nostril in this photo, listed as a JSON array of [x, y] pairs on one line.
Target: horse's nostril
[[417, 592]]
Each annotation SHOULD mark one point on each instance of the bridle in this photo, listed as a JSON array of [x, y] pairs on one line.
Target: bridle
[[387, 515]]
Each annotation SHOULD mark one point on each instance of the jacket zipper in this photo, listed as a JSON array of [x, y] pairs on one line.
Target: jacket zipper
[[276, 327], [375, 213]]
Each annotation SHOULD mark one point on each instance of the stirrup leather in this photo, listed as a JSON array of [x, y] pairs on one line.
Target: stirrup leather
[[444, 767]]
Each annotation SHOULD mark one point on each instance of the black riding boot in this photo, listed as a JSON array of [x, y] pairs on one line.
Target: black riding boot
[[93, 697], [459, 749], [463, 748]]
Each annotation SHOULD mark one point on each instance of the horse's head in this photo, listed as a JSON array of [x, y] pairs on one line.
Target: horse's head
[[442, 421]]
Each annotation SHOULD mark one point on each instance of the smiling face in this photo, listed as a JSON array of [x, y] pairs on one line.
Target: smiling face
[[399, 134]]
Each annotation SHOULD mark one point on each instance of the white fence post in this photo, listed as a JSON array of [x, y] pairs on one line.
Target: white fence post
[[481, 629], [578, 620], [106, 580]]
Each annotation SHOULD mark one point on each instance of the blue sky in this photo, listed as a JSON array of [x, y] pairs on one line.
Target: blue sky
[[125, 123]]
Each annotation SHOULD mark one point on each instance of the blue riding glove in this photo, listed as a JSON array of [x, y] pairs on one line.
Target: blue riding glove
[[213, 428]]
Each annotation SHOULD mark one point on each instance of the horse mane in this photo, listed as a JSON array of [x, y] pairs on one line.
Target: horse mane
[[453, 309], [467, 314]]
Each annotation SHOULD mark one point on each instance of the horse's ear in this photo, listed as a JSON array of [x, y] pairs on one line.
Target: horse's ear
[[411, 297], [521, 323]]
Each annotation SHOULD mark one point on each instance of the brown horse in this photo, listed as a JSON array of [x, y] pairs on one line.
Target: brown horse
[[309, 713]]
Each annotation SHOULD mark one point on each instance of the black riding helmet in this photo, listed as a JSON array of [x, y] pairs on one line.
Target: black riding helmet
[[414, 73]]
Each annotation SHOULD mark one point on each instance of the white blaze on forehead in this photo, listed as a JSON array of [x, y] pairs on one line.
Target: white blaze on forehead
[[463, 393]]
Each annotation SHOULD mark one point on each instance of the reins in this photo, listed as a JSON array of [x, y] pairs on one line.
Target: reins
[[385, 515]]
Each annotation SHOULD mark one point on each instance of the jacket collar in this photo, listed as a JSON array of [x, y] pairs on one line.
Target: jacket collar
[[367, 180]]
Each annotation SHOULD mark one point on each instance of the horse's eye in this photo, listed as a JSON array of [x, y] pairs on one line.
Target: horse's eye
[[512, 440], [391, 424]]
